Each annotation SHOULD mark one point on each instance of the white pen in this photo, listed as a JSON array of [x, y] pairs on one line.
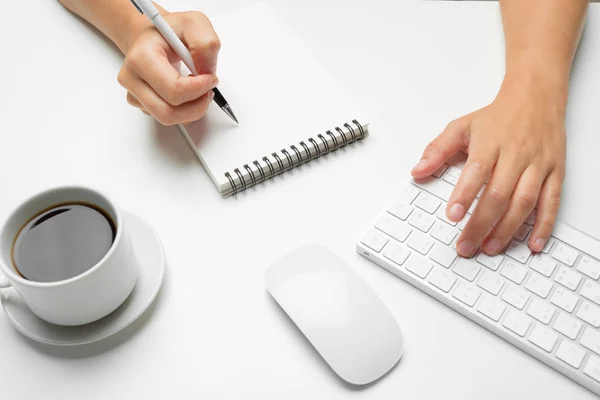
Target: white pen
[[147, 8]]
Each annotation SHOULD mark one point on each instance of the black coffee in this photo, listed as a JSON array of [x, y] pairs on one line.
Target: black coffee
[[62, 242]]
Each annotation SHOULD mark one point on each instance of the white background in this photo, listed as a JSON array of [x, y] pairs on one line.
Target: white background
[[214, 332]]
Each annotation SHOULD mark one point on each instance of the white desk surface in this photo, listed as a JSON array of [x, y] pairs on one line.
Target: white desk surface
[[214, 332]]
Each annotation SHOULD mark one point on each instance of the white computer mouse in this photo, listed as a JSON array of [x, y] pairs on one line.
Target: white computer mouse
[[338, 312]]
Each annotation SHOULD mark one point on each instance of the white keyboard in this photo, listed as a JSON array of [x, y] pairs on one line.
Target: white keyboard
[[546, 304]]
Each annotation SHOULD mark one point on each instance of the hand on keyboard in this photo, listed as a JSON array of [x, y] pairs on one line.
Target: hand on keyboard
[[517, 145]]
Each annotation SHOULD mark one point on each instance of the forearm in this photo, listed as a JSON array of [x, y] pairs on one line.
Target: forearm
[[541, 39], [117, 19]]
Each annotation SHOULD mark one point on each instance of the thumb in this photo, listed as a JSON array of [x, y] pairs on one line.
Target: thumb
[[204, 44], [448, 143]]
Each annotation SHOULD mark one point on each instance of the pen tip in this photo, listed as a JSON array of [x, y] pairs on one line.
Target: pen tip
[[230, 113]]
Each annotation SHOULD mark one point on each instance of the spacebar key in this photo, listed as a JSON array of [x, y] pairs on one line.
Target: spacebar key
[[436, 187]]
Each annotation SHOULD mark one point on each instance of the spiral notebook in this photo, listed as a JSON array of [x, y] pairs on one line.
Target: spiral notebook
[[290, 107]]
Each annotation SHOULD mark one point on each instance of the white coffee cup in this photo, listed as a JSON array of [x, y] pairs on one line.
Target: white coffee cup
[[88, 296]]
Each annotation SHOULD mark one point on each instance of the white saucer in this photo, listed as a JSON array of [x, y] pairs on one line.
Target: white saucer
[[148, 249]]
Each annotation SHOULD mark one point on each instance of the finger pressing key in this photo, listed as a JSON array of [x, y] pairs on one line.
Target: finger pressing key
[[522, 202], [492, 205]]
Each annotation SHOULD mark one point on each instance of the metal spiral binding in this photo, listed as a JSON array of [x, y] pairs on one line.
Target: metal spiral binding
[[239, 174], [298, 154], [260, 169], [321, 148], [314, 143], [306, 149], [288, 158], [335, 142], [247, 168], [320, 136], [343, 135], [265, 159]]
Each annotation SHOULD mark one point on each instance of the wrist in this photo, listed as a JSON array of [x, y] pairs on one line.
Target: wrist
[[136, 23], [539, 87]]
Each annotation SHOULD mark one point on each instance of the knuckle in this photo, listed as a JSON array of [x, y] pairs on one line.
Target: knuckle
[[526, 199], [210, 44], [122, 77], [451, 125], [553, 202], [134, 59], [166, 115], [497, 194], [479, 166]]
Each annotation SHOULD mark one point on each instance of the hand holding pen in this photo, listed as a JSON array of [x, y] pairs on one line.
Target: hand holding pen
[[154, 85]]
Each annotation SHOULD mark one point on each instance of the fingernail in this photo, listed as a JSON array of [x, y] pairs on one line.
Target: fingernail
[[215, 83], [420, 165], [539, 244], [466, 249], [492, 247], [456, 212], [211, 95]]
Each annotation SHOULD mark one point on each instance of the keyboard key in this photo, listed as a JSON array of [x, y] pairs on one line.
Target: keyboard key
[[428, 202], [591, 340], [538, 285], [396, 253], [464, 221], [565, 254], [567, 278], [440, 170], [548, 246], [400, 210], [541, 311], [467, 269], [450, 179], [523, 232], [419, 267], [543, 264], [518, 251], [515, 296], [408, 195], [590, 267], [441, 189], [490, 282], [568, 326], [491, 262], [453, 171], [421, 220], [443, 255], [442, 279], [564, 299], [441, 214], [516, 322], [589, 313], [592, 368], [443, 232], [393, 227], [421, 243], [374, 240], [543, 338], [513, 271], [467, 294], [481, 191], [591, 291], [491, 307], [571, 354], [471, 209], [531, 217]]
